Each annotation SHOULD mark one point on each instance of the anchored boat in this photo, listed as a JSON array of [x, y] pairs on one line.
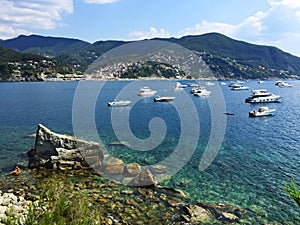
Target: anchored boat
[[261, 96], [262, 111], [119, 103]]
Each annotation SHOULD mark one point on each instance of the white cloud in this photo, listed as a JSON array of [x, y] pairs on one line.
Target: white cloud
[[152, 33], [293, 4], [279, 26], [207, 27], [21, 16], [100, 1]]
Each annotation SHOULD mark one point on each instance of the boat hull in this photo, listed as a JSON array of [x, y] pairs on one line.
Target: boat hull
[[164, 99], [262, 100], [258, 113], [119, 104]]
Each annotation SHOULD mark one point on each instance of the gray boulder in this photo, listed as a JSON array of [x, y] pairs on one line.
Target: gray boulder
[[59, 151]]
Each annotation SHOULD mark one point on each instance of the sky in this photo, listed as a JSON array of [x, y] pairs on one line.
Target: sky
[[265, 22]]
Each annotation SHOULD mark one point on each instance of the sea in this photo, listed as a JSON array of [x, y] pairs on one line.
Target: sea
[[214, 150]]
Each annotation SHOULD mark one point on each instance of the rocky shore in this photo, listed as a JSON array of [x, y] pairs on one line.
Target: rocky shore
[[134, 197], [13, 204], [115, 203]]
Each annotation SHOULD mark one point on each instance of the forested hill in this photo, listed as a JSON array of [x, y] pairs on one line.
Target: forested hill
[[226, 57], [248, 59], [47, 46], [17, 66]]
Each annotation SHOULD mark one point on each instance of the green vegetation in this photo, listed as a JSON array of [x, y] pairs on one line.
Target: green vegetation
[[58, 206], [293, 191], [18, 66], [151, 69], [227, 58]]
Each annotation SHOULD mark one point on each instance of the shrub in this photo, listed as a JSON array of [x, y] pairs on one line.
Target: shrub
[[293, 191]]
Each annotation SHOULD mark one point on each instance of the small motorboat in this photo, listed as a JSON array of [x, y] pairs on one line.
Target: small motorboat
[[197, 89], [229, 114], [239, 88], [209, 83], [119, 103], [164, 99], [202, 93], [284, 85], [262, 111], [146, 91], [193, 85], [179, 86]]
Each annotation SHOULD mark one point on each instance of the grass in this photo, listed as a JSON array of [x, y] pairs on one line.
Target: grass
[[293, 191], [58, 205]]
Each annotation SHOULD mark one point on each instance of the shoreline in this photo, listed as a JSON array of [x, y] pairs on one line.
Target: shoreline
[[147, 79], [124, 204]]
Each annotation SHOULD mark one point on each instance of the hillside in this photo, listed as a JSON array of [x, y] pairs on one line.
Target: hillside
[[46, 46], [226, 57], [16, 66], [242, 58]]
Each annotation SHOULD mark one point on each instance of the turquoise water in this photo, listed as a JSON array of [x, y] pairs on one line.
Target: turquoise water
[[256, 158]]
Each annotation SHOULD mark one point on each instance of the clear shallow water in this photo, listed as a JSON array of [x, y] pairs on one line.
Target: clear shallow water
[[257, 157]]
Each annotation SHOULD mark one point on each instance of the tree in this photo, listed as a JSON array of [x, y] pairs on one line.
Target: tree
[[4, 71]]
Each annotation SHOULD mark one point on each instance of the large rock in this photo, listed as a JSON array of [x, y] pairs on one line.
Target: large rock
[[196, 214], [114, 166], [158, 169], [144, 179], [132, 169], [59, 151]]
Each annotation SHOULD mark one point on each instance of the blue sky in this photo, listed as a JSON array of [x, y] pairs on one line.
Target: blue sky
[[267, 22]]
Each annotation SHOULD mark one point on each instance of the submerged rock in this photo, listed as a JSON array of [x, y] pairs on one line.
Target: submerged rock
[[196, 214], [114, 166], [132, 169], [59, 151], [229, 217], [158, 169], [144, 179]]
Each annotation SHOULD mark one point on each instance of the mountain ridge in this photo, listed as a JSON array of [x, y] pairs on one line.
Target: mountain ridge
[[227, 58]]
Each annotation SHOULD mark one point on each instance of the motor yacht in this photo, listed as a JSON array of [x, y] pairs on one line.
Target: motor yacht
[[202, 93], [259, 96], [262, 111], [146, 91], [119, 103], [239, 88], [164, 99], [284, 84]]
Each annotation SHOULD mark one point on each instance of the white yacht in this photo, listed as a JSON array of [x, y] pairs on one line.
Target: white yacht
[[262, 111], [119, 103], [178, 84], [202, 93], [197, 89], [209, 83], [234, 84], [146, 91], [239, 88], [259, 96], [284, 84], [164, 99], [193, 85]]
